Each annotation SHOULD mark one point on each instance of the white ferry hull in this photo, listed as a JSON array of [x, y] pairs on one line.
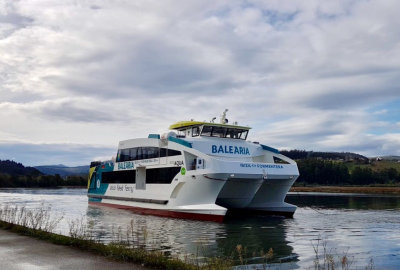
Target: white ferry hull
[[198, 178], [200, 212]]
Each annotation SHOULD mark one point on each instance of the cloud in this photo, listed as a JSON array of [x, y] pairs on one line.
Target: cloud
[[64, 109], [304, 74], [380, 112], [55, 153]]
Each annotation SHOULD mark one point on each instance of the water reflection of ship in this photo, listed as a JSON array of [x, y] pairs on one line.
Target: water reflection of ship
[[200, 239], [171, 236], [345, 201], [257, 234]]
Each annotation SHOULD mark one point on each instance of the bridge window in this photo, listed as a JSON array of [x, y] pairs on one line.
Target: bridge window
[[219, 132], [207, 131], [243, 134], [195, 131], [223, 132]]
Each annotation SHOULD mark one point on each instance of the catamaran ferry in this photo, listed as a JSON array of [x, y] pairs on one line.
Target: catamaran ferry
[[198, 170]]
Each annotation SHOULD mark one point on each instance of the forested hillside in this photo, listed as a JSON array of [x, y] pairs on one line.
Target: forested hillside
[[325, 172], [13, 174], [13, 168]]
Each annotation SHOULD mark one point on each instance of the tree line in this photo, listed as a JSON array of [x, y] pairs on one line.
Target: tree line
[[301, 154], [29, 181], [322, 172], [15, 175]]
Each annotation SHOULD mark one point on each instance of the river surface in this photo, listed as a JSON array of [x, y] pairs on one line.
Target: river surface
[[363, 226]]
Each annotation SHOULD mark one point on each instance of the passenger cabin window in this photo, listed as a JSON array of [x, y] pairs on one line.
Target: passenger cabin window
[[172, 152], [119, 177], [137, 153], [153, 176], [125, 155], [161, 175], [195, 131]]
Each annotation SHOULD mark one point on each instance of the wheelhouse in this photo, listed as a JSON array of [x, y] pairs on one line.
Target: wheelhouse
[[189, 129]]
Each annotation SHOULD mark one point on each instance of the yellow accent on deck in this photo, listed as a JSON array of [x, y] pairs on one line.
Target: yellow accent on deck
[[184, 124]]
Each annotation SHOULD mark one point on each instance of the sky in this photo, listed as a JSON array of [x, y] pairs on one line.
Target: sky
[[78, 76]]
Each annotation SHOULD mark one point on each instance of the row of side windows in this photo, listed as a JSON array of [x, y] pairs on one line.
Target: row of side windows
[[153, 176], [139, 153]]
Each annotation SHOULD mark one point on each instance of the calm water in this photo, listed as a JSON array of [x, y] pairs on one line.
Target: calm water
[[363, 225]]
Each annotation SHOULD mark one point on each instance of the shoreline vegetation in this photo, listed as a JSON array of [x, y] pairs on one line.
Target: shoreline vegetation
[[348, 189], [133, 246]]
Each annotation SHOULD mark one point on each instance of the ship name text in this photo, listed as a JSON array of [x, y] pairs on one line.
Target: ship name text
[[230, 150]]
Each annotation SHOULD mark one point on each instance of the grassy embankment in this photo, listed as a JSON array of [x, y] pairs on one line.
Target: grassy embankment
[[374, 165]]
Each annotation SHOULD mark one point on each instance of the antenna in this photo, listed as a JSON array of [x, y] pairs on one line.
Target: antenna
[[223, 119]]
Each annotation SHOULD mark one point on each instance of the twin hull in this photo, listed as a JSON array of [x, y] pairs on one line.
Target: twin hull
[[202, 191]]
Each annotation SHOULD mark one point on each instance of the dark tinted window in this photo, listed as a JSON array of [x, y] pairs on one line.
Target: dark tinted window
[[139, 153], [161, 175], [94, 163], [279, 160], [133, 153], [207, 130], [119, 177], [125, 155], [152, 152], [234, 133], [172, 153], [163, 152], [219, 132]]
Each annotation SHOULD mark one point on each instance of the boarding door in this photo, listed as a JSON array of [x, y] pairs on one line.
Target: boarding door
[[141, 178]]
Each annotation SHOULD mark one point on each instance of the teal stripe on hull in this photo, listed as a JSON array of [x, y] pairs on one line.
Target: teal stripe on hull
[[270, 149], [180, 141], [95, 200], [154, 136]]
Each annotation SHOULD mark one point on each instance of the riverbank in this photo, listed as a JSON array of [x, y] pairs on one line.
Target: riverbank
[[345, 189], [23, 252], [55, 250]]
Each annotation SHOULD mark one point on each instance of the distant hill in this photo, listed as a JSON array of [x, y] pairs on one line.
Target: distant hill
[[63, 170], [301, 154], [11, 167]]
